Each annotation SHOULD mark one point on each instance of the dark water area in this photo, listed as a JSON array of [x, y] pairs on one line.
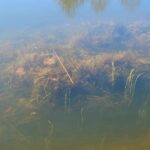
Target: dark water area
[[74, 74]]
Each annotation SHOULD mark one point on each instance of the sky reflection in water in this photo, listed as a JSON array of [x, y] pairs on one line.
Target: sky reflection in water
[[19, 15], [75, 74]]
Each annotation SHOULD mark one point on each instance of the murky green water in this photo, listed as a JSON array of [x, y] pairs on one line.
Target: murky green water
[[75, 74]]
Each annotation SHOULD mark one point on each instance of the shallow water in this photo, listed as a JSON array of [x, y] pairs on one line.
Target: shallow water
[[75, 74]]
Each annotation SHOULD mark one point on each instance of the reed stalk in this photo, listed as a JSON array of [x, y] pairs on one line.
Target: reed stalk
[[113, 72], [64, 68]]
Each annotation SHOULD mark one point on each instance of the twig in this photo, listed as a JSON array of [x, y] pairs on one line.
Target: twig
[[64, 68], [102, 143]]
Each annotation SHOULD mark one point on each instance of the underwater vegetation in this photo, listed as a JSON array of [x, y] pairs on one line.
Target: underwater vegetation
[[50, 92], [114, 37]]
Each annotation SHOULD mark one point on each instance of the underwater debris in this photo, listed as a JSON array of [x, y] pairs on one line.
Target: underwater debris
[[20, 72], [64, 68], [49, 61], [33, 113]]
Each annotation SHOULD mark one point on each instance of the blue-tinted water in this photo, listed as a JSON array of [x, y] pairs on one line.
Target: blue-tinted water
[[22, 15], [74, 74]]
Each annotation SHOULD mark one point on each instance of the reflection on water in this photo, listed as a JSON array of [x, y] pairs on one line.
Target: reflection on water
[[99, 5], [130, 4], [70, 6], [81, 86]]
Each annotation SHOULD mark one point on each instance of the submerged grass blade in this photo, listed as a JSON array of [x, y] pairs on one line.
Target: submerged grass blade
[[135, 83], [113, 73], [51, 127], [129, 85]]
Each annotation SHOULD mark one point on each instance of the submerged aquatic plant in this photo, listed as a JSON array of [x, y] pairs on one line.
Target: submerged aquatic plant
[[129, 82], [102, 143], [129, 87], [67, 99], [82, 115], [142, 112], [51, 127], [113, 73]]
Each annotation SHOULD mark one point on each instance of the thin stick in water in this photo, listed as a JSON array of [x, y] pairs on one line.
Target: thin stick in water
[[64, 68]]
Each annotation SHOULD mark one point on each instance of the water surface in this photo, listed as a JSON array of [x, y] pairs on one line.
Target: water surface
[[75, 74]]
